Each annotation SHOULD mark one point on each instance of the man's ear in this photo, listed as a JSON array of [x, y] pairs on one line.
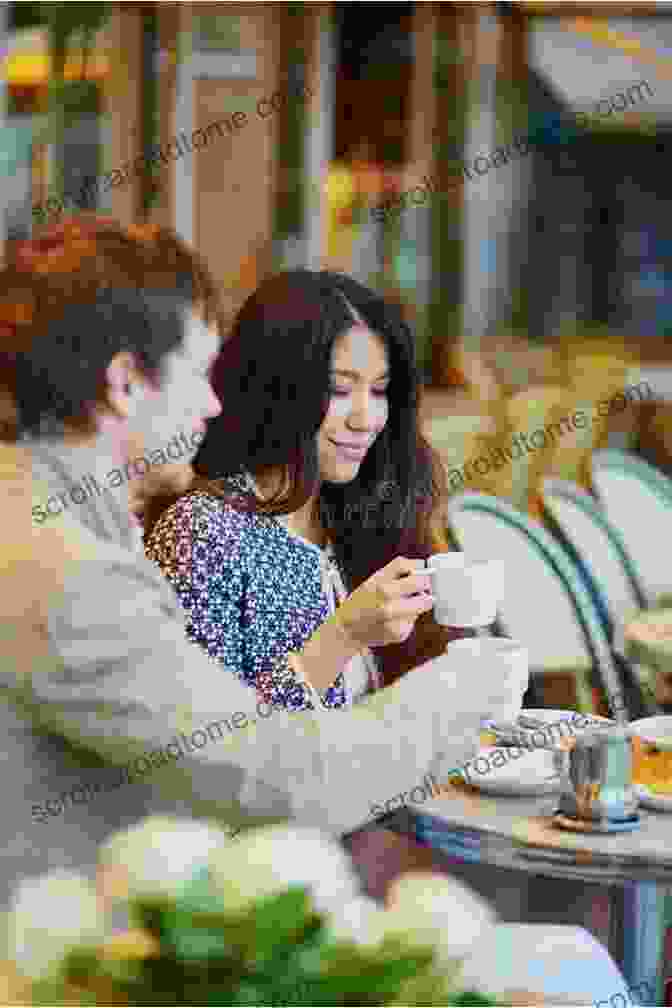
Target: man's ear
[[8, 416], [121, 373]]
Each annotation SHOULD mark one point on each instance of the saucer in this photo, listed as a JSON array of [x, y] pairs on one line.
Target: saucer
[[594, 826], [649, 799], [656, 731], [529, 774]]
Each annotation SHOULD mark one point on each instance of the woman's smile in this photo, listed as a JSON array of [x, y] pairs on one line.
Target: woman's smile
[[349, 452]]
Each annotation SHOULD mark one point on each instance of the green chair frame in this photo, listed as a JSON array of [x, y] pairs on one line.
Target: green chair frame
[[561, 566]]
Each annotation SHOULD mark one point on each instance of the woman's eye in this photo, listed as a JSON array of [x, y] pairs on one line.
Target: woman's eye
[[337, 391], [380, 392]]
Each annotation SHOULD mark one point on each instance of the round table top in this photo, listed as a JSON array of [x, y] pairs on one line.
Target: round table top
[[518, 833]]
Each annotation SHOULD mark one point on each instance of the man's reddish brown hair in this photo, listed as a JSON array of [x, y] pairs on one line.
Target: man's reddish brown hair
[[75, 260]]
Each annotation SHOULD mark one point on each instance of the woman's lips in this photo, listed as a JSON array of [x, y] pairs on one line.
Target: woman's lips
[[349, 452]]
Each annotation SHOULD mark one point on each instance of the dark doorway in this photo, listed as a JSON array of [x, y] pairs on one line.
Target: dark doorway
[[374, 72]]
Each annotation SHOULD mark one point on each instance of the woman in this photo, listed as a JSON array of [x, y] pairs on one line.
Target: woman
[[315, 496]]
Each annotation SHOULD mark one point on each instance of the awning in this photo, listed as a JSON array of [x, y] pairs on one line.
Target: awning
[[587, 60]]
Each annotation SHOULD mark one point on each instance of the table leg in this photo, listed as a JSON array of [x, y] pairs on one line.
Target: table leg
[[640, 920], [636, 917], [667, 948]]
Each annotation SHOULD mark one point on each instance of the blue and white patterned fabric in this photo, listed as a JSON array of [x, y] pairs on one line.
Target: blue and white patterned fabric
[[252, 591]]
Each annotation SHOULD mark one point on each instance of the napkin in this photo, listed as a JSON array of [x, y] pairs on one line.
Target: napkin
[[565, 964]]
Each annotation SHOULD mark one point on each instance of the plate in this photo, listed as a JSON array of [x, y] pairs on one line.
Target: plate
[[528, 775], [656, 730], [649, 799], [549, 716], [585, 826]]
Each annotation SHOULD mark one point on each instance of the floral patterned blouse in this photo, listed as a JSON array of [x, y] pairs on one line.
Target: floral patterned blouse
[[252, 591]]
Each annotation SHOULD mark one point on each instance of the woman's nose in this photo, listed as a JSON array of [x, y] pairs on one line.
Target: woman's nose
[[213, 406], [361, 416]]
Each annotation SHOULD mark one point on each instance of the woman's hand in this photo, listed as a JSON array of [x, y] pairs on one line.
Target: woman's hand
[[381, 611], [384, 609]]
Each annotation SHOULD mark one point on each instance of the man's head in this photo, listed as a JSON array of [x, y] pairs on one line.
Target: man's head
[[108, 329]]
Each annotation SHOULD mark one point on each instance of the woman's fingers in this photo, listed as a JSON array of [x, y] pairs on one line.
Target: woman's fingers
[[385, 608], [404, 587], [407, 608], [401, 566]]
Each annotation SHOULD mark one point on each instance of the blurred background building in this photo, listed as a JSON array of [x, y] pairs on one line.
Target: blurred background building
[[317, 115]]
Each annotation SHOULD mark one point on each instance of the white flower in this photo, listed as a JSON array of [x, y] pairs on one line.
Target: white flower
[[51, 915], [161, 853], [359, 921], [438, 911], [266, 861]]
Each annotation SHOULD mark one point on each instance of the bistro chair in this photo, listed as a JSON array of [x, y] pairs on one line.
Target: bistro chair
[[459, 441], [608, 570], [529, 411], [637, 500], [546, 604], [595, 367], [585, 531], [455, 437]]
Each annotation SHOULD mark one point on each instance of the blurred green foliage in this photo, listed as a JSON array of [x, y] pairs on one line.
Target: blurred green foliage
[[65, 20], [26, 15], [69, 101], [277, 952]]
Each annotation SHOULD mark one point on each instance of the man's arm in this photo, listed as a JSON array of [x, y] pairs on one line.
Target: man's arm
[[125, 681]]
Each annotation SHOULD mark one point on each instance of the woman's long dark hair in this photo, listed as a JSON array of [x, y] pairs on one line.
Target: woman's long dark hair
[[273, 379]]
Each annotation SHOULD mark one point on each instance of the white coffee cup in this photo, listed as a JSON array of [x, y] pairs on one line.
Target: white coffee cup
[[502, 660], [466, 593]]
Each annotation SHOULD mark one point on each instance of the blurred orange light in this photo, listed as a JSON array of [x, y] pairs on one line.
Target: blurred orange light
[[29, 65]]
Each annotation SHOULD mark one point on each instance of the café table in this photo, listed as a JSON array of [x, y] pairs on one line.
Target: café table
[[516, 833]]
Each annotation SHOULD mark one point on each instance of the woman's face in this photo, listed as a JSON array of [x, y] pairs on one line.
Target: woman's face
[[358, 405]]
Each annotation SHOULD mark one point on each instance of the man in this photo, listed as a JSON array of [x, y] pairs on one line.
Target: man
[[108, 711]]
